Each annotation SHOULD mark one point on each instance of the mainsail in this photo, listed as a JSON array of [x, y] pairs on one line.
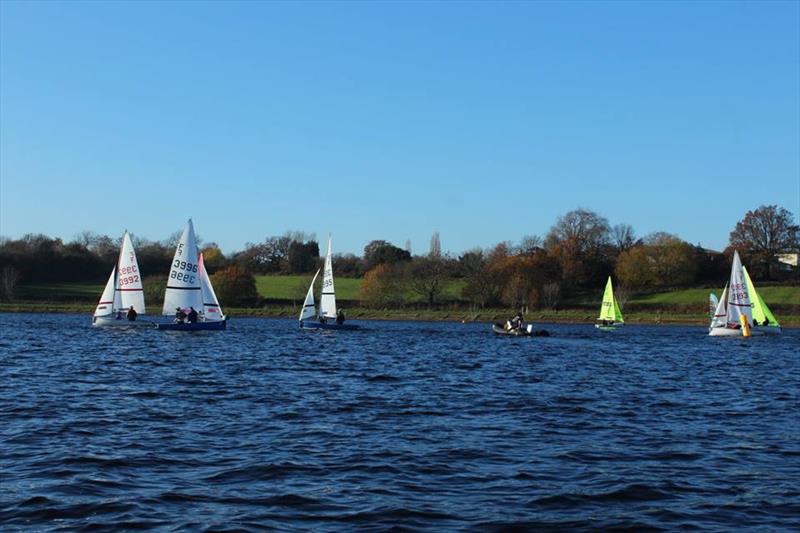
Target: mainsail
[[309, 309], [129, 279], [738, 297], [211, 310], [183, 285], [761, 312], [327, 302], [609, 310]]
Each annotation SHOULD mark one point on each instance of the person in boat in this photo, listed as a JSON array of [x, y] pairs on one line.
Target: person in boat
[[518, 322], [322, 319], [119, 314], [192, 316], [132, 314], [340, 318], [180, 316]]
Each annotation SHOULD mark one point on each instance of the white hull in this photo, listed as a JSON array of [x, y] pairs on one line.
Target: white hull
[[730, 332], [110, 321], [609, 327]]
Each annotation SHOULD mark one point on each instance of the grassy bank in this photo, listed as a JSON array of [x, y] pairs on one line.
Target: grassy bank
[[574, 316], [284, 293]]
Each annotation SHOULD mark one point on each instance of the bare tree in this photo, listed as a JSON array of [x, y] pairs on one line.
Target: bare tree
[[427, 277], [551, 293], [766, 232], [436, 246], [530, 243], [9, 279], [622, 237]]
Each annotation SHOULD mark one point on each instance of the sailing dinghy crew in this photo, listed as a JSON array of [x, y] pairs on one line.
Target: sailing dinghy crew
[[132, 314]]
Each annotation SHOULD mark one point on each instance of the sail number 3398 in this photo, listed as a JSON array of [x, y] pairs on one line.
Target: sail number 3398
[[183, 271]]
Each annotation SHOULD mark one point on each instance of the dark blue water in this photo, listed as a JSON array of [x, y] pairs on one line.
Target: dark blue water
[[417, 426]]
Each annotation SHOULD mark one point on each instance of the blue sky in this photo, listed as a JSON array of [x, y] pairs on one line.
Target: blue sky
[[482, 121]]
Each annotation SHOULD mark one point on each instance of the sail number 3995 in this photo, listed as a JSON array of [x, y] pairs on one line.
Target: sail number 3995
[[190, 269]]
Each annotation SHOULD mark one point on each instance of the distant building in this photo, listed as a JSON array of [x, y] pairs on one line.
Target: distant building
[[788, 261]]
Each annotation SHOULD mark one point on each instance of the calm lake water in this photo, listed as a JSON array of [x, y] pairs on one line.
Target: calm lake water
[[423, 426]]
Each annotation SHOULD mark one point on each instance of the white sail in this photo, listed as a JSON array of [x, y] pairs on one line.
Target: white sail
[[183, 284], [212, 312], [327, 302], [309, 309], [720, 311], [106, 306], [738, 301], [713, 302], [129, 279]]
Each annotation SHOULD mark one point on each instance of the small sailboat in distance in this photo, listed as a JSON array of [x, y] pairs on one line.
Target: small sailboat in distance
[[610, 315], [763, 319], [122, 292], [733, 316], [328, 316], [189, 289]]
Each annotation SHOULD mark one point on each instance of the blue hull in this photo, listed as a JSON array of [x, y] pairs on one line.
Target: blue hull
[[197, 326], [312, 324]]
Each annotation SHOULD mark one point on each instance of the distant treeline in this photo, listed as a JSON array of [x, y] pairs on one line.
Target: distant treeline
[[578, 253]]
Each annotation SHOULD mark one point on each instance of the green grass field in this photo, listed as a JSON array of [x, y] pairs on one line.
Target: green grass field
[[293, 288], [783, 295], [60, 291]]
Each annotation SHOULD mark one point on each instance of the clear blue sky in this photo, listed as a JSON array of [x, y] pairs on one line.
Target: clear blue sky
[[482, 121]]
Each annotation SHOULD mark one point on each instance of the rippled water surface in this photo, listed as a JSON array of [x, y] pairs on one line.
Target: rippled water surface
[[420, 426]]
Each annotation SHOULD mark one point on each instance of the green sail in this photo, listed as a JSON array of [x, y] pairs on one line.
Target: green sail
[[609, 310], [760, 309]]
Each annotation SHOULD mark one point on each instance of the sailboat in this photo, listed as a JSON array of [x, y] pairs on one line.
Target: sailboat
[[610, 315], [733, 316], [123, 290], [763, 319], [188, 287], [327, 318]]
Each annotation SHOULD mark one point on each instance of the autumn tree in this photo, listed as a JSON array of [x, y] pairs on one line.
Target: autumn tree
[[213, 258], [381, 287], [579, 241], [662, 260], [235, 286], [764, 233]]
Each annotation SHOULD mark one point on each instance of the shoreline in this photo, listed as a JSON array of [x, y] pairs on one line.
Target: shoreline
[[565, 316]]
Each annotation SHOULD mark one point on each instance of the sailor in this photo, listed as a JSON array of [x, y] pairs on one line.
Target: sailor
[[192, 315], [340, 318], [180, 316], [517, 322], [132, 314]]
